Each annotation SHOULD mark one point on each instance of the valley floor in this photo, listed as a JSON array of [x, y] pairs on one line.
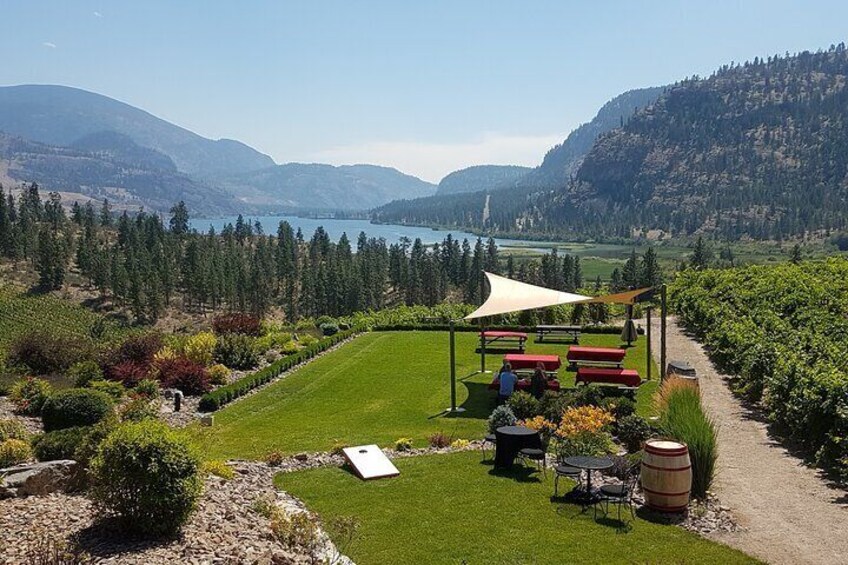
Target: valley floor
[[788, 511]]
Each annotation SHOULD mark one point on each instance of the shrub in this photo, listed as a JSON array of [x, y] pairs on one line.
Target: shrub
[[137, 410], [146, 476], [167, 352], [29, 395], [295, 530], [546, 428], [11, 429], [237, 323], [88, 447], [588, 395], [14, 451], [274, 458], [632, 431], [439, 440], [218, 374], [329, 328], [272, 340], [147, 388], [307, 340], [44, 353], [130, 373], [403, 444], [236, 351], [200, 348], [581, 432], [75, 407], [138, 349], [684, 419], [112, 388], [460, 444], [289, 347], [523, 405], [218, 468], [553, 404], [501, 416], [620, 407], [185, 375], [84, 372], [59, 444]]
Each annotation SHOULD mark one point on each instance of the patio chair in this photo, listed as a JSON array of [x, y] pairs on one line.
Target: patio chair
[[490, 439], [537, 455], [562, 470], [619, 494]]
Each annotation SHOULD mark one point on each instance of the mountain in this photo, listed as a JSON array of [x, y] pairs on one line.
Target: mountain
[[563, 160], [63, 116], [481, 177], [97, 173], [325, 187]]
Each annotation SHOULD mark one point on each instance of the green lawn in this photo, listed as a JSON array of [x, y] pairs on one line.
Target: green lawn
[[376, 389], [452, 509]]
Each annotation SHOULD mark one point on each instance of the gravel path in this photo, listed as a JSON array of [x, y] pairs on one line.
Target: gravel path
[[788, 512]]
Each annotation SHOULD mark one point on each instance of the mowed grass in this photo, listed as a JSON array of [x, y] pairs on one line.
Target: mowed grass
[[452, 509], [380, 387]]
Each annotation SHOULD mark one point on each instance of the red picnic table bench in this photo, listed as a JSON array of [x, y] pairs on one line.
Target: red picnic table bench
[[497, 340], [623, 377], [524, 361], [581, 355], [523, 384]]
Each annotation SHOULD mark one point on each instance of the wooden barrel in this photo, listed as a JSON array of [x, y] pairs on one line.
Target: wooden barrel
[[666, 475]]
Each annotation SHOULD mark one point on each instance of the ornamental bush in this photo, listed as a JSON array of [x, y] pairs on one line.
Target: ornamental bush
[[13, 452], [84, 372], [501, 416], [237, 323], [236, 351], [523, 405], [218, 374], [632, 431], [59, 444], [138, 349], [200, 348], [183, 374], [75, 407], [11, 429], [147, 477], [130, 373], [112, 388], [147, 388], [45, 353], [29, 395]]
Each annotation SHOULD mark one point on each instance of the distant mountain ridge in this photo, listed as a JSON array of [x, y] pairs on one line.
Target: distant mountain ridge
[[61, 115], [327, 187], [481, 177]]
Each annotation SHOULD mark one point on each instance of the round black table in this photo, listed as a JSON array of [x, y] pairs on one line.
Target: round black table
[[511, 440], [588, 495]]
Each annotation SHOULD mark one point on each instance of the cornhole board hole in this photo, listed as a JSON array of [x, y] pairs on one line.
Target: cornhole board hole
[[369, 462]]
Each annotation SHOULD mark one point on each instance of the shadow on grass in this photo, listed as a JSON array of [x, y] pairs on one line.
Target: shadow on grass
[[478, 405], [518, 473]]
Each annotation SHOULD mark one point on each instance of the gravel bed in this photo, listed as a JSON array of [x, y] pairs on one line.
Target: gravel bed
[[7, 411]]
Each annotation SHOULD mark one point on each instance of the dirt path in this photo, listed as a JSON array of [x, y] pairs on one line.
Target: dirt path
[[788, 512]]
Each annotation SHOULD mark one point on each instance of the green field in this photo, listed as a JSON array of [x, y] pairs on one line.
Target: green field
[[376, 389], [454, 509]]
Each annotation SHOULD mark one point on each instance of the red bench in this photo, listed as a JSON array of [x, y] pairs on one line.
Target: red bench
[[524, 384], [520, 361], [579, 355], [624, 377]]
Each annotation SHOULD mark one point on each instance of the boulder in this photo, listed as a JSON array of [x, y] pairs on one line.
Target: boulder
[[41, 478]]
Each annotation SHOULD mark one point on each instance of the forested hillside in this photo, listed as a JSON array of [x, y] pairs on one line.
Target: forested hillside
[[481, 177], [755, 150]]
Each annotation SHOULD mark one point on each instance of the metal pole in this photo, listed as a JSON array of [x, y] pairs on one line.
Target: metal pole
[[453, 367], [663, 331], [648, 329], [482, 348]]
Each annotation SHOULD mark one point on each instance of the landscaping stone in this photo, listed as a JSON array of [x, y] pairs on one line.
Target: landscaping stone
[[40, 478]]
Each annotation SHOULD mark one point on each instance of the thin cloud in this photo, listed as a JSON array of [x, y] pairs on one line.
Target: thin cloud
[[432, 161], [97, 14], [49, 45]]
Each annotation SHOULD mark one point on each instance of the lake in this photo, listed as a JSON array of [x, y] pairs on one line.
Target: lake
[[335, 228]]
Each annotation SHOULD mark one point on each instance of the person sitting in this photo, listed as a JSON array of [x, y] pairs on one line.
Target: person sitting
[[507, 383], [539, 381]]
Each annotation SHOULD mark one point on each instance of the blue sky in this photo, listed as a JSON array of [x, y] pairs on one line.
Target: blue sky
[[424, 86]]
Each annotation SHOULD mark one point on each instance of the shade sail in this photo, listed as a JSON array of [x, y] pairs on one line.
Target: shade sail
[[507, 296], [628, 297]]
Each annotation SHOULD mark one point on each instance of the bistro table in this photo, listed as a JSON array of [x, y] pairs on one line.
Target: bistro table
[[511, 440], [587, 496]]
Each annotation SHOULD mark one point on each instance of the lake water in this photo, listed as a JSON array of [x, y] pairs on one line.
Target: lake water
[[335, 228]]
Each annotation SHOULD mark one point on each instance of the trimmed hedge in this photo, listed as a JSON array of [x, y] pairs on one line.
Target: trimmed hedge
[[606, 329], [219, 397], [59, 444], [75, 407]]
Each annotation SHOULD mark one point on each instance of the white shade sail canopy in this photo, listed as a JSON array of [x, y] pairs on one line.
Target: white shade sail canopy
[[508, 296]]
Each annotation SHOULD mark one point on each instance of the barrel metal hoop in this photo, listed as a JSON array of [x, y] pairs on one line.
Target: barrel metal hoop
[[673, 469]]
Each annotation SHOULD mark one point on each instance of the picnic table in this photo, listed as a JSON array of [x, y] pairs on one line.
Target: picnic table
[[496, 340], [521, 361], [560, 334], [578, 355], [524, 384], [624, 377]]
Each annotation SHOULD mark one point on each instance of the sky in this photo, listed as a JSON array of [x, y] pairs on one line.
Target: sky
[[425, 86]]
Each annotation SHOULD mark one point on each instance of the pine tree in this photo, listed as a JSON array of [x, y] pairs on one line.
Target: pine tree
[[179, 218], [630, 273], [650, 274], [701, 255]]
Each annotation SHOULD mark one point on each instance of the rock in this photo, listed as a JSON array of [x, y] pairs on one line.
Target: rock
[[40, 478], [301, 457]]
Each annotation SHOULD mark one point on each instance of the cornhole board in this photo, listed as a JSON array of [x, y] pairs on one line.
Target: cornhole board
[[369, 462]]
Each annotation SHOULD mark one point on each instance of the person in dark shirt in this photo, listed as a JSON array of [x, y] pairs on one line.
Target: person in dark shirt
[[539, 381]]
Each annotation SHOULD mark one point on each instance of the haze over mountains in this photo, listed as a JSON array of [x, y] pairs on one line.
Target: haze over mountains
[[75, 141]]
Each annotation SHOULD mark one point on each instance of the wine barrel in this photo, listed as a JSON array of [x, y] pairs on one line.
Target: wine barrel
[[666, 475]]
